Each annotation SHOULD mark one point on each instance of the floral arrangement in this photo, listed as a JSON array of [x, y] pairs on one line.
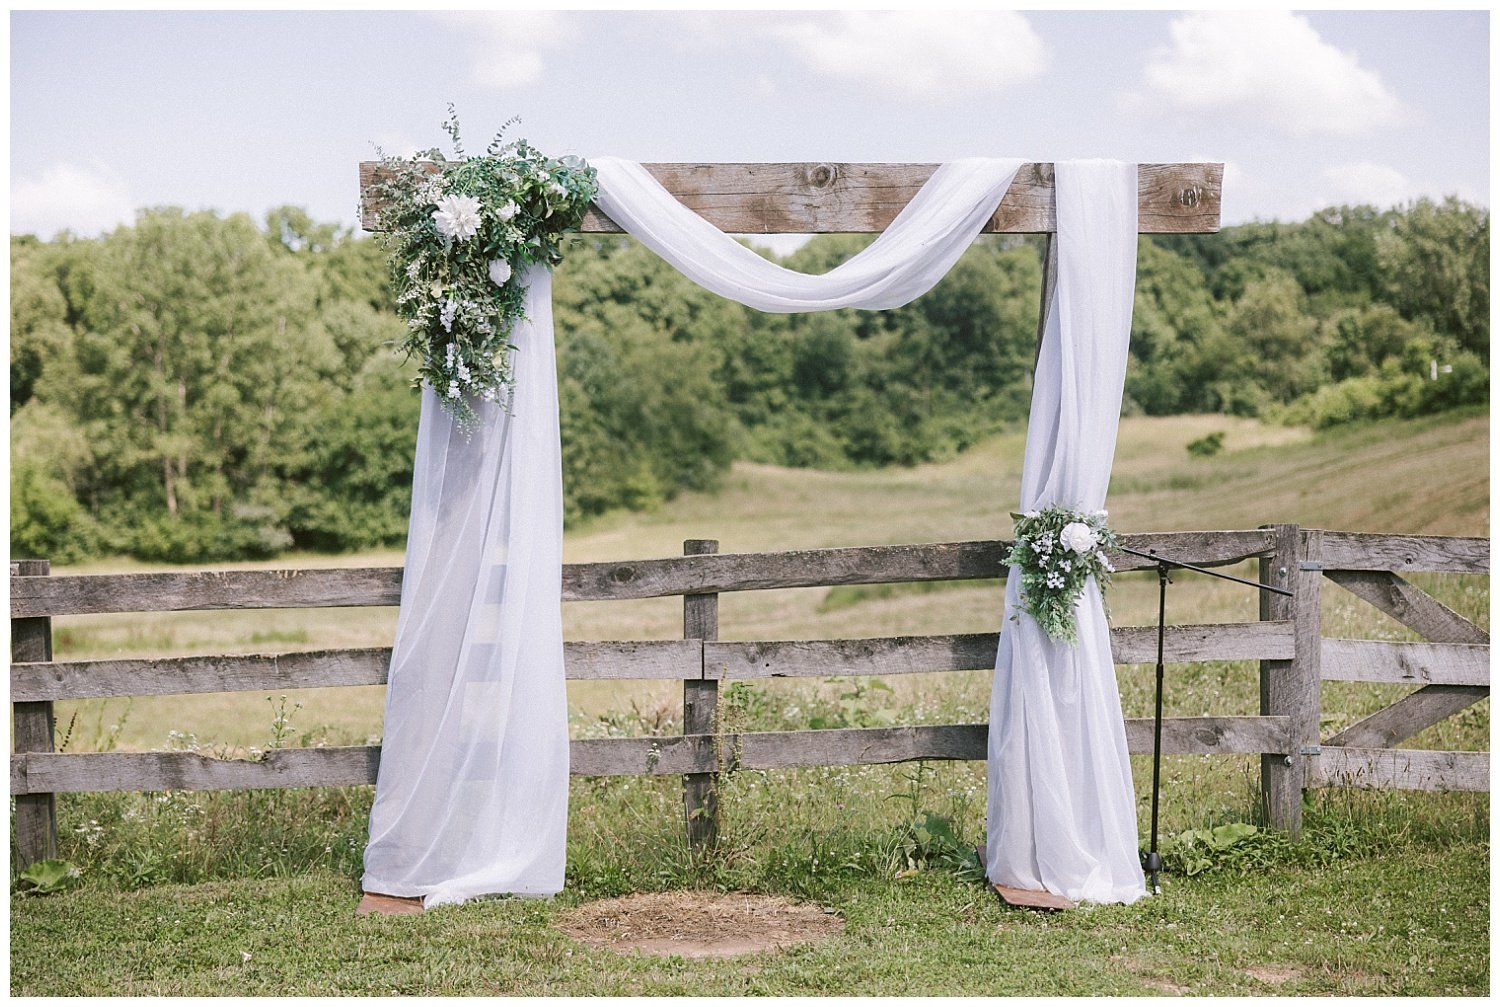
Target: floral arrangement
[[460, 235], [1058, 549]]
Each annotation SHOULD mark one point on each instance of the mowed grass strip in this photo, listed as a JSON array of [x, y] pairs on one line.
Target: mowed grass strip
[[1411, 925]]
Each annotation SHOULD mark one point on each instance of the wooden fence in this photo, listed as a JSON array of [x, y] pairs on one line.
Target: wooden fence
[[1451, 669]]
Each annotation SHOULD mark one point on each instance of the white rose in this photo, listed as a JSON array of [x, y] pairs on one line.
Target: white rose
[[557, 190], [1079, 537], [499, 272], [507, 211], [457, 217]]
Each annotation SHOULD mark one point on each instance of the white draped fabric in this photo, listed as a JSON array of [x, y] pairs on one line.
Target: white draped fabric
[[1061, 808], [472, 793]]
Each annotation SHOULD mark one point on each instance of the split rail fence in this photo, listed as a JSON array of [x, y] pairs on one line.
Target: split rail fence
[[1450, 670]]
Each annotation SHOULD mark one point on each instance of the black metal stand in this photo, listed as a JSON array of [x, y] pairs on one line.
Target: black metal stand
[[1152, 862]]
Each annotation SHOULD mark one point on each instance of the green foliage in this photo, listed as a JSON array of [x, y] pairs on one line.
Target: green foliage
[[461, 241], [46, 877], [194, 387], [1207, 446], [1058, 550], [46, 522]]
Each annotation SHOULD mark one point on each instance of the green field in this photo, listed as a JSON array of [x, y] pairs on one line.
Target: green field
[[1388, 893]]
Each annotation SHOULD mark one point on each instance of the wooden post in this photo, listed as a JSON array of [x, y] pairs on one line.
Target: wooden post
[[36, 814], [1292, 689], [700, 701]]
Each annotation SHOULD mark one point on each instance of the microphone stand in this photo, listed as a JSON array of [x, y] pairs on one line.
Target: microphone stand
[[1152, 862]]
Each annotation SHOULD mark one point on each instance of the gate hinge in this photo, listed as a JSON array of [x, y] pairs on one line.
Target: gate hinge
[[1310, 750], [1310, 565]]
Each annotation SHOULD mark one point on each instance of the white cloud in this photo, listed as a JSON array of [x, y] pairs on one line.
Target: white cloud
[[509, 47], [1363, 182], [921, 54], [1269, 68], [87, 202]]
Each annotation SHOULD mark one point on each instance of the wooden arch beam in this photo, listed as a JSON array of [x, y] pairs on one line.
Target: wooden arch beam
[[824, 198]]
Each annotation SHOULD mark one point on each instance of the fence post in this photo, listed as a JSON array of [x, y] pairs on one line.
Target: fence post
[[32, 731], [700, 701], [1292, 689]]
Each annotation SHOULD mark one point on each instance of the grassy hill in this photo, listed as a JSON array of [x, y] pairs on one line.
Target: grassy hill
[[1429, 476]]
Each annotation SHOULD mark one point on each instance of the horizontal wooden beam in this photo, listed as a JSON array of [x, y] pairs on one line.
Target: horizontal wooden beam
[[614, 581], [1406, 663], [1402, 769], [316, 669], [336, 767], [820, 197], [1347, 550], [976, 651], [623, 659]]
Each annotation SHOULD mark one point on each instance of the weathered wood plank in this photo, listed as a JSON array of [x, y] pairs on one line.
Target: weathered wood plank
[[868, 565], [700, 702], [1406, 663], [901, 655], [1403, 769], [1408, 716], [583, 660], [204, 590], [677, 755], [32, 729], [853, 197], [155, 771], [1283, 683], [1347, 550], [1410, 606], [647, 578]]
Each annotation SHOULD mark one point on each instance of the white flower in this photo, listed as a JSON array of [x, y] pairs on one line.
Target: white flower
[[1031, 514], [507, 211], [1100, 514], [450, 309], [1079, 537], [452, 349], [557, 190], [453, 389], [457, 217], [499, 272]]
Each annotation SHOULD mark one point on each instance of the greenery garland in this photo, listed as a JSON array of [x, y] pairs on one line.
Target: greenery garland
[[1058, 549], [460, 236]]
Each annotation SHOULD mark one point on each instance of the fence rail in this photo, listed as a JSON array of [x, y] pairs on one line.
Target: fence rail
[[1450, 669]]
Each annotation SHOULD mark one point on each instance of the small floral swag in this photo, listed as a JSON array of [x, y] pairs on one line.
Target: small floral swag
[[1058, 549], [460, 239]]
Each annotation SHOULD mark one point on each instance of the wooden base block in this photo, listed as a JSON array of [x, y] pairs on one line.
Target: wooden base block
[[1029, 898], [377, 904]]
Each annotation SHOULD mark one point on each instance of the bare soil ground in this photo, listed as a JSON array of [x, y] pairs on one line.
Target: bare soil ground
[[698, 924]]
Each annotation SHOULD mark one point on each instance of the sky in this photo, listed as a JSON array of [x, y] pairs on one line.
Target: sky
[[116, 111]]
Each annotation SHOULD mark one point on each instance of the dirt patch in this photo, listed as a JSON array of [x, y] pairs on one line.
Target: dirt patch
[[698, 924], [1273, 974]]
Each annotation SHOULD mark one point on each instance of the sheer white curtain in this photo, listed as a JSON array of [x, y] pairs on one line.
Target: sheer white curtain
[[472, 793], [472, 796], [1061, 806]]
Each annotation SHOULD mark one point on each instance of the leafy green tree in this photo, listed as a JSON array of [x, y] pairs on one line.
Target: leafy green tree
[[1436, 261], [195, 365]]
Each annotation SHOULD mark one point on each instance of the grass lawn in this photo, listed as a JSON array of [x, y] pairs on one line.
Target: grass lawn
[[1386, 893], [1409, 922]]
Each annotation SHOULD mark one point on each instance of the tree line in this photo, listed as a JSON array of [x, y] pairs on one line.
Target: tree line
[[196, 387]]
